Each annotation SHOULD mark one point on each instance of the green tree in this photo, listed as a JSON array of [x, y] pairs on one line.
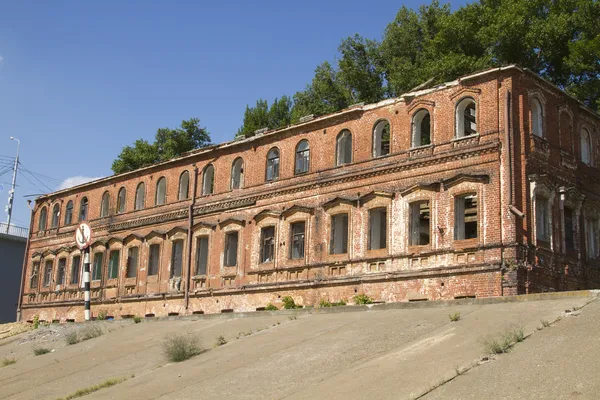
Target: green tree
[[256, 117]]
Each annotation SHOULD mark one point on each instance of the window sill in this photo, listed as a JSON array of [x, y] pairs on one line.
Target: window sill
[[466, 243], [418, 249], [544, 243]]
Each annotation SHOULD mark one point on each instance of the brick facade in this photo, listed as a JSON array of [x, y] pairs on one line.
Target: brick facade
[[499, 170]]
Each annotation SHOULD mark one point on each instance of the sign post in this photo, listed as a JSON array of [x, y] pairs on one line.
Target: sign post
[[83, 238]]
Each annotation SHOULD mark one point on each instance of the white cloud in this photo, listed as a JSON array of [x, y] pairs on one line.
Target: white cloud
[[76, 180]]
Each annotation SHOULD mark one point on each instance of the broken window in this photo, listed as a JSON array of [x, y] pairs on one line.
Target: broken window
[[302, 157], [55, 215], [267, 244], [154, 259], [381, 139], [75, 269], [569, 231], [466, 118], [338, 243], [377, 229], [97, 267], [343, 148], [105, 205], [140, 196], [298, 234], [160, 197], [586, 147], [48, 273], [201, 255], [537, 117], [83, 209], [132, 261], [177, 258], [121, 199], [43, 219], [113, 264], [208, 180], [61, 273], [237, 174], [542, 218], [273, 164], [184, 186], [593, 238], [420, 219], [465, 217], [35, 271], [69, 213], [421, 134], [231, 249]]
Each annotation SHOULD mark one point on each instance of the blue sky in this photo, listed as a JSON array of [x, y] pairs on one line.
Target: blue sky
[[80, 80]]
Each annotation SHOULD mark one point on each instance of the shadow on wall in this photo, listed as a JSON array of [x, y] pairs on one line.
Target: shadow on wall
[[12, 251]]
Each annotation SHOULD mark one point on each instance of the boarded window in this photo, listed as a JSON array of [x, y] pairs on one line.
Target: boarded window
[[267, 244], [231, 249], [61, 274], [272, 165], [121, 200], [377, 229], [421, 135], [593, 238], [302, 157], [48, 273], [105, 205], [586, 146], [75, 269], [465, 217], [569, 230], [55, 216], [237, 174], [466, 118], [83, 209], [201, 255], [536, 118], [208, 180], [419, 223], [542, 218], [154, 259], [35, 274], [298, 233], [343, 148], [177, 258], [69, 213], [338, 243], [161, 192], [132, 261], [113, 264], [97, 267], [184, 186], [43, 219], [381, 139], [140, 196]]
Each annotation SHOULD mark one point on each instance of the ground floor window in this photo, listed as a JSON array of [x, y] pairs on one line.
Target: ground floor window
[[298, 234], [377, 229], [201, 255], [231, 248], [465, 217], [113, 264], [177, 258], [338, 243], [420, 222], [267, 244]]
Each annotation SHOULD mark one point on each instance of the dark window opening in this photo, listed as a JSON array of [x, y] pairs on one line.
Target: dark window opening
[[344, 148], [231, 247], [420, 222], [338, 243], [208, 181], [381, 139], [154, 259], [298, 233], [267, 244], [97, 268], [48, 273], [132, 261], [237, 174], [69, 213], [465, 217], [302, 157], [377, 229], [113, 264], [201, 255], [273, 165], [83, 209], [177, 258], [61, 273], [35, 271], [75, 269], [569, 232], [184, 186], [121, 198], [160, 196]]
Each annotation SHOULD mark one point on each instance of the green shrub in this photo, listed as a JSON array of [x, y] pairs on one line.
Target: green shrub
[[342, 302], [36, 322], [181, 347], [71, 338], [102, 315], [271, 307], [137, 319], [8, 361], [288, 303], [454, 317], [324, 303], [362, 299], [38, 351]]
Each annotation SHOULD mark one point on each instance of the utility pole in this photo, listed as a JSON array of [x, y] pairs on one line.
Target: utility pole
[[11, 194]]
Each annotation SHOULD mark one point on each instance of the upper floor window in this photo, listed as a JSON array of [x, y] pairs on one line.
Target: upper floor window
[[537, 114], [231, 249], [177, 258], [140, 196], [132, 262], [237, 174], [381, 139], [55, 216], [43, 219], [586, 147], [35, 273], [184, 186], [420, 220], [343, 148], [542, 218], [83, 209], [75, 269], [160, 197], [121, 199], [61, 273], [105, 205], [113, 264], [466, 118], [48, 273], [298, 232], [302, 157], [97, 267], [201, 255], [208, 180], [465, 217], [273, 164], [267, 244], [377, 229], [69, 213], [338, 243], [421, 128], [154, 259]]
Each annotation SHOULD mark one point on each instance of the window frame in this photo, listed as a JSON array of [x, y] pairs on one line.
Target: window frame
[[383, 239], [207, 191], [459, 116], [121, 200], [43, 219], [302, 156], [267, 249], [412, 224], [186, 195], [111, 266], [201, 255], [344, 135], [150, 258], [332, 238], [537, 116], [105, 205], [226, 252], [84, 209], [237, 169], [140, 190], [377, 139], [461, 234], [587, 156], [160, 198], [131, 270], [293, 239], [273, 164], [69, 213], [417, 128]]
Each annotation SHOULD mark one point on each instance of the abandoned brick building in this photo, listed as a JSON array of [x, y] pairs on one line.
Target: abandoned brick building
[[484, 186]]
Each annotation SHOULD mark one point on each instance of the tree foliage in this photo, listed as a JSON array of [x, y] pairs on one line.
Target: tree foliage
[[262, 116]]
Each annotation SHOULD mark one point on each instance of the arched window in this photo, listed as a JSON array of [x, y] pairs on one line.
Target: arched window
[[69, 213], [121, 200], [83, 209], [343, 148], [586, 147], [237, 173], [184, 185], [160, 197], [466, 118], [43, 219], [140, 196], [421, 128], [537, 114], [105, 205], [381, 139], [302, 157], [273, 164], [55, 216], [208, 180]]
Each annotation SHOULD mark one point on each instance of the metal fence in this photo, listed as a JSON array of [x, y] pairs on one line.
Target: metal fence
[[14, 230]]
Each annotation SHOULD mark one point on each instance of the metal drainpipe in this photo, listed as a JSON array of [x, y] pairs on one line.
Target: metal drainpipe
[[188, 278], [508, 162], [20, 302]]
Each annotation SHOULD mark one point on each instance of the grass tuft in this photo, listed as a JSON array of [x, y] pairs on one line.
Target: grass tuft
[[362, 299], [221, 340], [503, 343], [454, 317], [71, 338], [137, 319], [181, 347], [545, 323], [89, 332], [289, 303], [91, 389], [8, 361], [38, 351], [271, 307]]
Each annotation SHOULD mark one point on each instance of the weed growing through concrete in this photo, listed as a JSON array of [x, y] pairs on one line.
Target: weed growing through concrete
[[271, 307], [181, 347], [82, 392], [71, 338], [324, 303], [362, 299], [545, 323], [137, 319], [221, 340], [288, 303], [454, 317], [504, 342], [38, 351], [8, 361], [36, 321]]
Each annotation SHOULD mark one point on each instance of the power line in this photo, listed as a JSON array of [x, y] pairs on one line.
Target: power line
[[34, 185], [35, 177], [38, 174]]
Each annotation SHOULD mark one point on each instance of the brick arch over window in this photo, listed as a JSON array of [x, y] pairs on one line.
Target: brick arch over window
[[466, 117], [272, 170], [83, 209], [237, 174], [184, 186], [69, 213], [140, 196], [343, 148], [55, 216], [381, 138], [105, 205], [160, 196], [421, 128], [43, 219], [302, 160], [121, 200], [208, 180]]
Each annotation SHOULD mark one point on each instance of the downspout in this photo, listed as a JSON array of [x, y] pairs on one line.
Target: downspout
[[20, 302], [508, 137], [188, 277]]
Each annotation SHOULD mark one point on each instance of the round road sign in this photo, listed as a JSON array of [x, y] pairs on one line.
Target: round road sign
[[83, 235]]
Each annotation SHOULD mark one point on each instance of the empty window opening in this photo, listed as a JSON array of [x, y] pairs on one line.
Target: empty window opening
[[201, 255], [465, 217], [177, 258], [97, 267], [343, 148], [586, 147], [377, 229], [537, 117], [421, 126], [542, 218], [267, 244], [83, 209], [381, 139], [184, 186], [140, 196], [208, 180], [466, 118], [105, 205], [43, 219], [75, 269], [48, 273], [237, 174], [569, 230], [69, 213], [35, 273], [154, 259], [420, 223], [61, 273], [161, 192], [55, 216], [173, 314], [121, 198], [231, 248], [298, 230], [273, 164], [302, 157], [113, 264], [338, 243], [149, 316], [132, 261], [593, 238]]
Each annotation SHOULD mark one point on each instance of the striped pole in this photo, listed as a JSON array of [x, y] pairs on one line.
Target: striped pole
[[86, 282]]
